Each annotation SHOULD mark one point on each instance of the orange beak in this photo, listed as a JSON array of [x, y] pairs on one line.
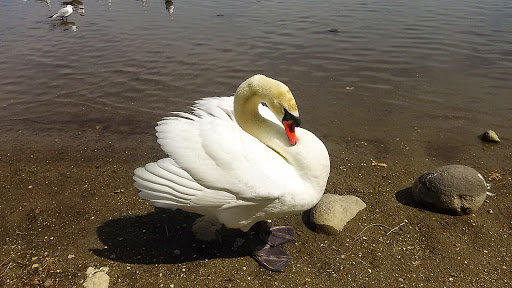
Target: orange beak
[[289, 127], [290, 121]]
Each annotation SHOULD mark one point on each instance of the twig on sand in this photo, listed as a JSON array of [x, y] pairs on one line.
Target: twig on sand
[[381, 225], [390, 231], [362, 261], [8, 266], [5, 261]]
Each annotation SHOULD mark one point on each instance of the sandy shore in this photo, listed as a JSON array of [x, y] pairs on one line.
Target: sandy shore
[[67, 203]]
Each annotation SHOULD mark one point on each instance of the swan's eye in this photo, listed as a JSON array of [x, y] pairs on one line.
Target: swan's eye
[[290, 117]]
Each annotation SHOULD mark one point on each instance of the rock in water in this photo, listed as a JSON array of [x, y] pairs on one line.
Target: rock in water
[[332, 212], [452, 189], [490, 136]]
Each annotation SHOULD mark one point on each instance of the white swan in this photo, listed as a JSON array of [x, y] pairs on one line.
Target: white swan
[[229, 162]]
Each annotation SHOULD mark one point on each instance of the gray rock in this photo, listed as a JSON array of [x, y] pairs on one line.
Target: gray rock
[[332, 212], [452, 189], [490, 136]]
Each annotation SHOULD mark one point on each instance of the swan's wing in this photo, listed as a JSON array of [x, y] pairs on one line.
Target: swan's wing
[[167, 185], [216, 153]]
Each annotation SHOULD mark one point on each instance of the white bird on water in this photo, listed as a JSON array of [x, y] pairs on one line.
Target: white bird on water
[[233, 160], [64, 12]]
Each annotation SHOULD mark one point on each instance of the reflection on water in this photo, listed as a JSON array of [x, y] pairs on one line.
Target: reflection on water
[[81, 9], [48, 3], [169, 6], [65, 25]]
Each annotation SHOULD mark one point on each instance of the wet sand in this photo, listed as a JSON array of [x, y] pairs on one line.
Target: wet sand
[[68, 203]]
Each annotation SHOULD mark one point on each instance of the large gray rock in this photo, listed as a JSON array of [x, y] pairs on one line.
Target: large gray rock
[[332, 212], [452, 189]]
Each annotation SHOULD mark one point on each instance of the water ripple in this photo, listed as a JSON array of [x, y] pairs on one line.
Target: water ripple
[[132, 58]]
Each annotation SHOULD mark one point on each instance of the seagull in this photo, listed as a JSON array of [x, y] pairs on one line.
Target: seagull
[[63, 13]]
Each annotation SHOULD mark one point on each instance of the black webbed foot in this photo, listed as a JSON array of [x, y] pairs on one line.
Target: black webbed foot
[[279, 235], [271, 258], [265, 244]]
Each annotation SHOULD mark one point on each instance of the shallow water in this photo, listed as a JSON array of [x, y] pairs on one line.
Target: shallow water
[[360, 69]]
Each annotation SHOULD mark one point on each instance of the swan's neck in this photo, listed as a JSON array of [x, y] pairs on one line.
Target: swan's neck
[[250, 120], [308, 157]]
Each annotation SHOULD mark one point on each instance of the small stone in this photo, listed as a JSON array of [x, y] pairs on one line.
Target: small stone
[[48, 283], [176, 252], [71, 256], [97, 278], [334, 30], [332, 212], [490, 136], [35, 266], [453, 189], [206, 228], [490, 211]]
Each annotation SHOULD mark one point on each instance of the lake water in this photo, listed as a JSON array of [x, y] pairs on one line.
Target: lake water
[[364, 70]]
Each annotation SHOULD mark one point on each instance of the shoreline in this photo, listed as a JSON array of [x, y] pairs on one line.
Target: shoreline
[[72, 194]]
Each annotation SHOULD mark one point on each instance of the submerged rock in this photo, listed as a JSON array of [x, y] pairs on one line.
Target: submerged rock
[[452, 189], [490, 136], [332, 212]]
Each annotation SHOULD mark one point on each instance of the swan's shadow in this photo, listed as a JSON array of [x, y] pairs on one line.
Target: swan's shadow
[[163, 237]]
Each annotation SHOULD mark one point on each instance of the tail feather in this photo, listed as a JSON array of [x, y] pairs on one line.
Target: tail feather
[[168, 166], [166, 185], [159, 197], [163, 182], [153, 173], [159, 190]]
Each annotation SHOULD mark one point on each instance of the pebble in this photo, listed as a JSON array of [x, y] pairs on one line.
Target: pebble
[[490, 136], [332, 212], [451, 189], [97, 278]]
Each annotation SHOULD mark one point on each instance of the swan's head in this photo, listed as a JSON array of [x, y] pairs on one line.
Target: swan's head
[[278, 98]]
